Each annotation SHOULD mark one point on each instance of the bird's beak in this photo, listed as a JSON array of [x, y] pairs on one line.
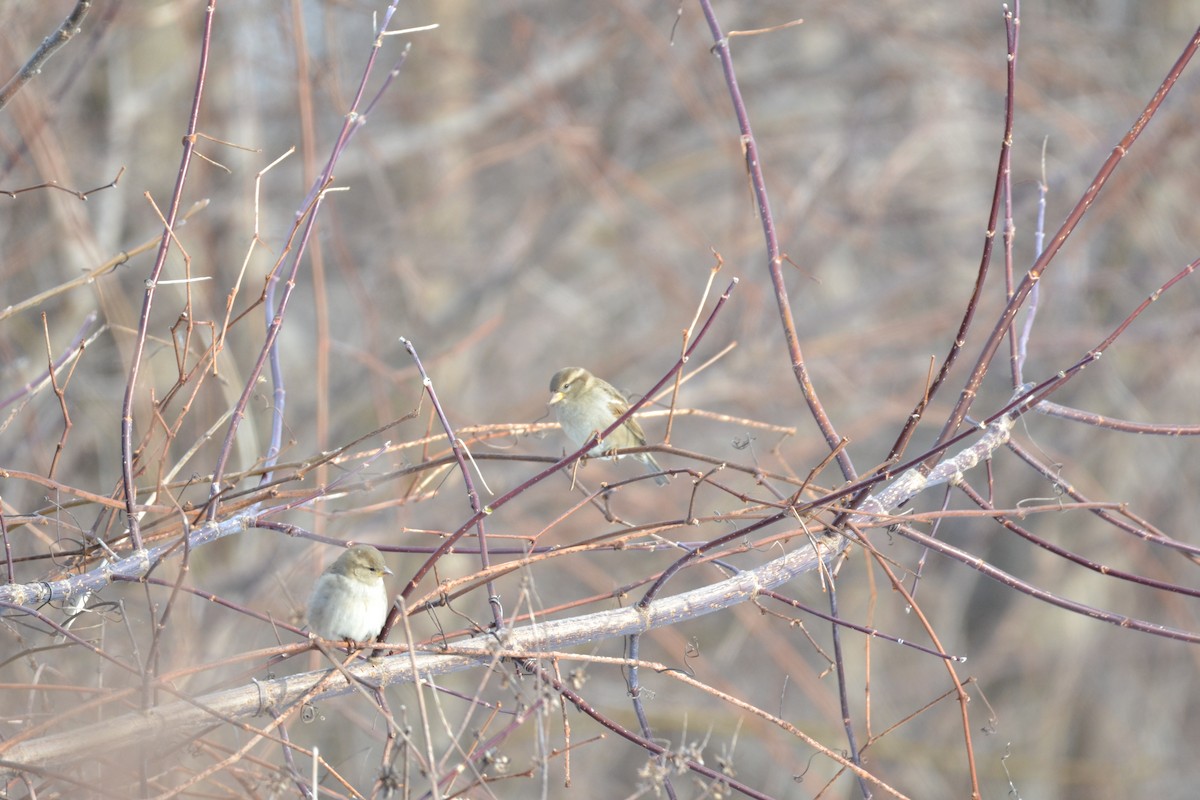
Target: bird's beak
[[387, 570], [556, 398]]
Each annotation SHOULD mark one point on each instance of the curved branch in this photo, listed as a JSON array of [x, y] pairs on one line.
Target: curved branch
[[247, 701]]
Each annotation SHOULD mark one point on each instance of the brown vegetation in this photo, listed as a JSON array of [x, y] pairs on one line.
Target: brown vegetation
[[328, 308]]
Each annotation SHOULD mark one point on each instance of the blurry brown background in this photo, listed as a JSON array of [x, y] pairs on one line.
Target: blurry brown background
[[542, 186]]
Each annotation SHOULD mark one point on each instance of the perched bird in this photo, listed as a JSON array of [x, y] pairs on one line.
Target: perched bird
[[586, 405], [349, 600]]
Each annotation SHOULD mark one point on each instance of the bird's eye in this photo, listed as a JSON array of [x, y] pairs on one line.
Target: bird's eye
[[565, 386]]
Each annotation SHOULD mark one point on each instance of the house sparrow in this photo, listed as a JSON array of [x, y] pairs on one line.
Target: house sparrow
[[586, 405], [349, 600]]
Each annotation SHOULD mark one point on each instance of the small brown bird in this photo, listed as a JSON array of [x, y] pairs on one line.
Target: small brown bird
[[349, 600], [586, 405]]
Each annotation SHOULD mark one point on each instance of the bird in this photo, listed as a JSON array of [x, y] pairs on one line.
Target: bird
[[349, 600], [586, 405]]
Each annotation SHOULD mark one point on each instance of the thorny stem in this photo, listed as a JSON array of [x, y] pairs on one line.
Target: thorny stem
[[139, 346], [774, 255], [472, 493], [971, 389]]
